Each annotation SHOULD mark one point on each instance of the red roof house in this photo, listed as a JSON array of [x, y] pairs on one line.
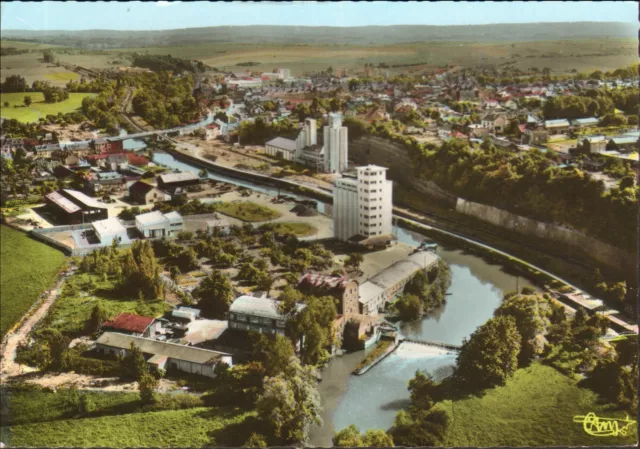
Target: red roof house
[[134, 159], [129, 323]]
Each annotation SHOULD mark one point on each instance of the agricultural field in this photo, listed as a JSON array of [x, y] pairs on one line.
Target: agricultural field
[[248, 211], [32, 67], [560, 56], [44, 419], [535, 408], [28, 268], [38, 108]]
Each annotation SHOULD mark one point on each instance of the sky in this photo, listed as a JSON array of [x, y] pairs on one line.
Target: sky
[[164, 15]]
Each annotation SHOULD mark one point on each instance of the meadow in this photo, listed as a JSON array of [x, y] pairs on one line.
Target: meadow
[[248, 211], [535, 408], [38, 108], [297, 229], [42, 419], [28, 268]]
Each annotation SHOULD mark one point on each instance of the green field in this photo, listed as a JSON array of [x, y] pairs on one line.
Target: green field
[[28, 268], [248, 211], [43, 419], [535, 408], [38, 108], [297, 229], [62, 76]]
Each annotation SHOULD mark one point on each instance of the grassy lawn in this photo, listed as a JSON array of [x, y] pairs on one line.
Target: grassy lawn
[[298, 229], [38, 108], [62, 76], [28, 268], [535, 408], [43, 419], [73, 308], [248, 211]]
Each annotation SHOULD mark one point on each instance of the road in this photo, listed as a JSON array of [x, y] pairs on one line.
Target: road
[[12, 340]]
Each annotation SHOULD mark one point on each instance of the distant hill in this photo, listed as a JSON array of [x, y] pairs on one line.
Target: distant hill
[[368, 35]]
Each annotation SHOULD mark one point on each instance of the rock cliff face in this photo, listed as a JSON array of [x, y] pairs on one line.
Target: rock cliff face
[[577, 243], [379, 151]]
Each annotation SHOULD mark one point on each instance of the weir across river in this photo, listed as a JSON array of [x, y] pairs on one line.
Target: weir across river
[[431, 343]]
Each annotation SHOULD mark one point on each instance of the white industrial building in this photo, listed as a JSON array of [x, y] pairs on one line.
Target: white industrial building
[[281, 148], [109, 230], [336, 145], [156, 224], [363, 206], [379, 290], [308, 152], [284, 73], [308, 135]]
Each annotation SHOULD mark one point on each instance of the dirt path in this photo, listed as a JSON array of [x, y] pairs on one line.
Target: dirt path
[[8, 367]]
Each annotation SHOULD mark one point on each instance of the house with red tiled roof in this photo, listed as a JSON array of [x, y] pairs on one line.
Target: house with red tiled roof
[[132, 324], [136, 160]]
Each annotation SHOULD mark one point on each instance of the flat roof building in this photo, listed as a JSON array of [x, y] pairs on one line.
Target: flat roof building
[[156, 224], [258, 314], [109, 230]]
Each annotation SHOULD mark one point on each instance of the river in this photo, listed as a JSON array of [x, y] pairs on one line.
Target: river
[[373, 399]]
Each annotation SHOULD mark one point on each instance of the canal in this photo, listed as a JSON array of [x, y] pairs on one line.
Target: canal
[[373, 399]]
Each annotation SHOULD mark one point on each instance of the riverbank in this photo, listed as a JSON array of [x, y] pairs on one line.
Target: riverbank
[[384, 348]]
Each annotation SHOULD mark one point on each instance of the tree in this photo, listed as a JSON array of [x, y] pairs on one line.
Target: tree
[[490, 355], [348, 437], [146, 387], [132, 365], [98, 316], [27, 101], [215, 294], [354, 260], [377, 438], [256, 440], [531, 314], [275, 352], [290, 403], [140, 270], [420, 428], [409, 307], [423, 390]]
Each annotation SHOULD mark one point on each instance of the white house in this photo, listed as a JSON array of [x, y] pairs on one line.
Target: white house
[[156, 224], [362, 206], [109, 230]]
